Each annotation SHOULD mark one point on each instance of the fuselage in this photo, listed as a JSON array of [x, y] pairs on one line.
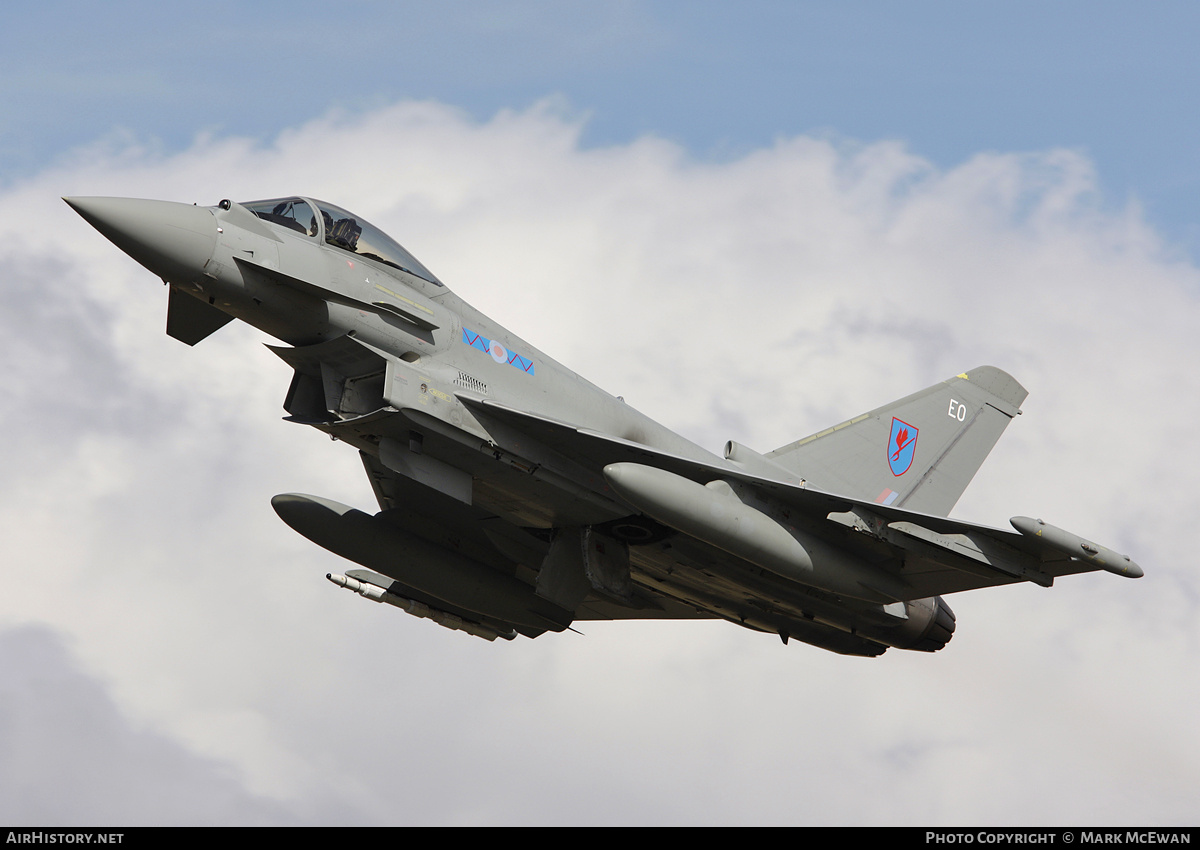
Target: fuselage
[[315, 276], [516, 496], [416, 317]]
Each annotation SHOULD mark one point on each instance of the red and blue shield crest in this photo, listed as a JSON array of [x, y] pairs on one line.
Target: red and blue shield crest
[[902, 446]]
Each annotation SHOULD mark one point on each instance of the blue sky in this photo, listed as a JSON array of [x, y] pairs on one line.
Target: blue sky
[[1114, 80], [752, 222]]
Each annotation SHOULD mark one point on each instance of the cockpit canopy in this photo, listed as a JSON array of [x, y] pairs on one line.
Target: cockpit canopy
[[340, 229]]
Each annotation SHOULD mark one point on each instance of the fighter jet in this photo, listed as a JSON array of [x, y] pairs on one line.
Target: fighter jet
[[517, 498]]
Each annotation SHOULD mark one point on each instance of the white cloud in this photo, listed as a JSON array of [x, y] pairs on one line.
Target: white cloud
[[759, 299]]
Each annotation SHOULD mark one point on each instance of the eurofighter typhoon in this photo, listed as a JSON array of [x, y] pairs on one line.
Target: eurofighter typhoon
[[517, 498]]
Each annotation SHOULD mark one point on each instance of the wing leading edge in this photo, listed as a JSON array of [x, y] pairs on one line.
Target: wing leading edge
[[928, 554], [745, 538]]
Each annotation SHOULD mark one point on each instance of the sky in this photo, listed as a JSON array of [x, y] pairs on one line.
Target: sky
[[750, 223]]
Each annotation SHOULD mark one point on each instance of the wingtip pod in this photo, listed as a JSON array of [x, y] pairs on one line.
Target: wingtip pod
[[1077, 547]]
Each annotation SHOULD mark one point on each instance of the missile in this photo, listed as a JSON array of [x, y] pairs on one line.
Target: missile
[[1072, 544], [418, 609], [435, 571], [713, 513]]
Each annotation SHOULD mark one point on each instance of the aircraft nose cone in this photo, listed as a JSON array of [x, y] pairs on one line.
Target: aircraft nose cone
[[170, 239]]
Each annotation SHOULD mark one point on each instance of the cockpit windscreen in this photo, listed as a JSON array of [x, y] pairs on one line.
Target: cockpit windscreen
[[342, 230], [346, 231], [292, 213]]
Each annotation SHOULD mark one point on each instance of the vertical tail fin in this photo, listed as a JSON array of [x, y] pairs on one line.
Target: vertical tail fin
[[920, 452]]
